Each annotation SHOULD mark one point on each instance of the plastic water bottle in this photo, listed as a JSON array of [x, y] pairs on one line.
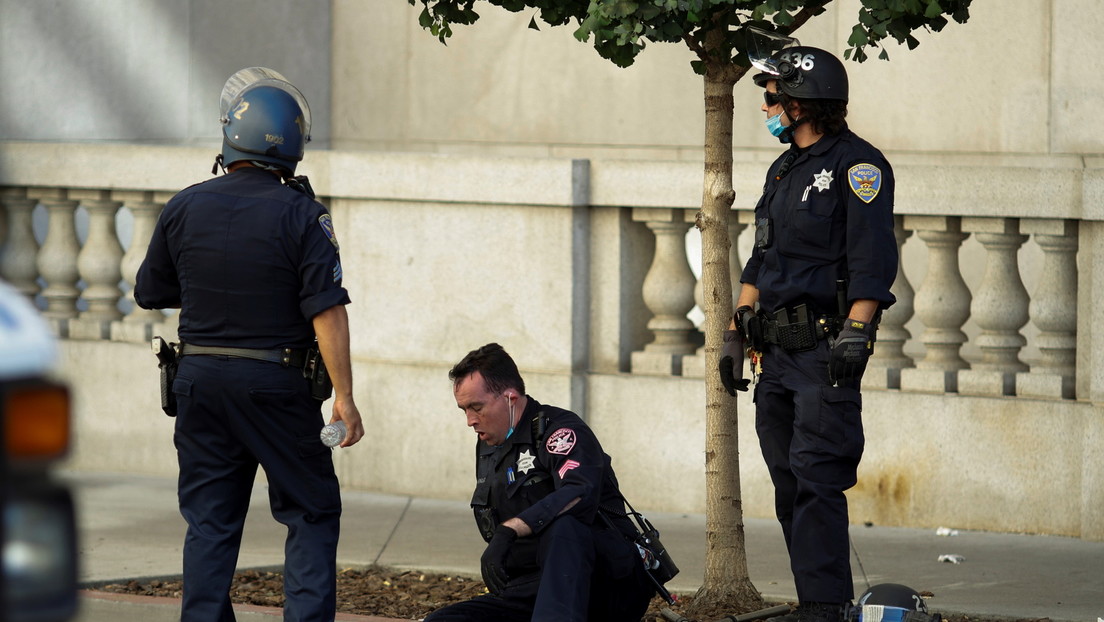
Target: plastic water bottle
[[333, 434]]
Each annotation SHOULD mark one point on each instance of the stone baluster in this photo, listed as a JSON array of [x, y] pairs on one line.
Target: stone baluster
[[737, 221], [889, 353], [942, 304], [98, 265], [20, 250], [1053, 311], [668, 293], [57, 259], [144, 207], [999, 308]]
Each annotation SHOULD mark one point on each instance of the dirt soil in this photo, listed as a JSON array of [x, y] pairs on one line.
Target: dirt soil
[[402, 594]]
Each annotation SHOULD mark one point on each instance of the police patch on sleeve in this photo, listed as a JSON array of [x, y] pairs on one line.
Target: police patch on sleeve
[[865, 180], [561, 441], [326, 222]]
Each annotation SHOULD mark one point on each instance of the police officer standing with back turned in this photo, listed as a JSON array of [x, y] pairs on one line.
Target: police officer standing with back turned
[[810, 298], [253, 265], [548, 504]]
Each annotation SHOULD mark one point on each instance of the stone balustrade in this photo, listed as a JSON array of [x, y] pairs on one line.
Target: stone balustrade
[[586, 272]]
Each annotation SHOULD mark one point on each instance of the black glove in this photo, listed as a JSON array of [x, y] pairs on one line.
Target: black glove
[[731, 366], [747, 322], [851, 350], [493, 562]]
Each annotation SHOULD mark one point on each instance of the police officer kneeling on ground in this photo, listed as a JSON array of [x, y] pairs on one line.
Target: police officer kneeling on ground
[[250, 258], [824, 259], [548, 504]]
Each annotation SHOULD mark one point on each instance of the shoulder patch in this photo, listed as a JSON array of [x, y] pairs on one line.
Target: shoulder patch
[[865, 180], [561, 441], [326, 222]]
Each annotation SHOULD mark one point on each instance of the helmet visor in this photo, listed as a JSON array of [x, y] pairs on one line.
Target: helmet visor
[[763, 45], [252, 77]]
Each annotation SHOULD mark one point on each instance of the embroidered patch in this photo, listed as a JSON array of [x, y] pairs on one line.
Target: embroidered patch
[[561, 441], [326, 222], [866, 181], [567, 466], [337, 272], [526, 462], [823, 180]]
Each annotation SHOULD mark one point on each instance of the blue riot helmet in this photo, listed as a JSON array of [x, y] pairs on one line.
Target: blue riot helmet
[[265, 120]]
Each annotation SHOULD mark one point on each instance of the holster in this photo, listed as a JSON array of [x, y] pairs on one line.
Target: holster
[[168, 360], [314, 370]]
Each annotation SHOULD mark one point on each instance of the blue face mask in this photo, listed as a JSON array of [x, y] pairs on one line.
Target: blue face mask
[[783, 133]]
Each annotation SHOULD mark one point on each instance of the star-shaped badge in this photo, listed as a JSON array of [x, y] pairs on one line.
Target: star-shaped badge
[[823, 180], [526, 462]]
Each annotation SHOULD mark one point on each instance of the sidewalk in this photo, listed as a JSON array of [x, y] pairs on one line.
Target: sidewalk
[[130, 528]]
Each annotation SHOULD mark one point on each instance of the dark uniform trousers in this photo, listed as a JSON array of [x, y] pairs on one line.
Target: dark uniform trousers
[[811, 436], [234, 414], [585, 573]]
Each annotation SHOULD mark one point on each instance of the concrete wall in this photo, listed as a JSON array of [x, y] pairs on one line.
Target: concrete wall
[[150, 70], [1014, 79]]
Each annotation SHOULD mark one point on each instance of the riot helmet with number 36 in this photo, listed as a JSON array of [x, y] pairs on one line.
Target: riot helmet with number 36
[[805, 72]]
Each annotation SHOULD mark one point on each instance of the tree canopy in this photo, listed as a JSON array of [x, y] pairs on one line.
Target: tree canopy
[[621, 29]]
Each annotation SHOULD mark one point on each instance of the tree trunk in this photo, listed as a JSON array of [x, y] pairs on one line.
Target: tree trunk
[[727, 589]]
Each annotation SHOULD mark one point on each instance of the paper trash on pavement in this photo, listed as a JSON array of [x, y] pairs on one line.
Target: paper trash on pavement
[[952, 559]]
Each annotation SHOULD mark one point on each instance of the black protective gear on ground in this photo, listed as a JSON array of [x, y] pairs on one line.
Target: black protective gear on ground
[[731, 366], [851, 350]]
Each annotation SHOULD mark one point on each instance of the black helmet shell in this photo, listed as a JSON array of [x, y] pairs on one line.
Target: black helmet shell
[[806, 72], [893, 595]]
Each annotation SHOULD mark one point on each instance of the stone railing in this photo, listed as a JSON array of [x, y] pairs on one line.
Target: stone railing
[[586, 271]]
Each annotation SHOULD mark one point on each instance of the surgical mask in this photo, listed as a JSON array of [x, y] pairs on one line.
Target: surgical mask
[[783, 133]]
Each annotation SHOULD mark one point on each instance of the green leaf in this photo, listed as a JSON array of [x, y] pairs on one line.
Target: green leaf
[[533, 24], [933, 10], [858, 37]]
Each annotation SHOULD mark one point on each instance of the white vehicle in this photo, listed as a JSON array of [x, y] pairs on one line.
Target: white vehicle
[[39, 579]]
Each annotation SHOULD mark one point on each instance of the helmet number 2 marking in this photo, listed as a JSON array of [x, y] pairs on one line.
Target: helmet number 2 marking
[[240, 109], [804, 62]]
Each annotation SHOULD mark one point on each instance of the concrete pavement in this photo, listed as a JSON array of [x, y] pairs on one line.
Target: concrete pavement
[[130, 528]]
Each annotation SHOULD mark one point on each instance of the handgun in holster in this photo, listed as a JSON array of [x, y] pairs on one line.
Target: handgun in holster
[[321, 387], [168, 359]]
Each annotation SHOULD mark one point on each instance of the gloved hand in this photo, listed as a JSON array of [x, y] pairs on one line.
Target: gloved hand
[[731, 366], [747, 322], [493, 563], [851, 350]]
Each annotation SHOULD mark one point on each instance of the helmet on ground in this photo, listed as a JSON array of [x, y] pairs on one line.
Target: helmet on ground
[[805, 72], [265, 120], [891, 602]]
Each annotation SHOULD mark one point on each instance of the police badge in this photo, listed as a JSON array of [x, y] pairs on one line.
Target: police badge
[[865, 180]]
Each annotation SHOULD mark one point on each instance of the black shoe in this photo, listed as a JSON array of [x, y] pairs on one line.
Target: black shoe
[[819, 612]]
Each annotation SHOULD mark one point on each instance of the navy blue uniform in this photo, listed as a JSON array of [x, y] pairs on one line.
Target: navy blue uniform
[[831, 218], [574, 567], [249, 261]]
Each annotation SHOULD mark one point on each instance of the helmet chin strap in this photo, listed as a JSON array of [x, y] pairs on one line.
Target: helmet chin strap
[[787, 134]]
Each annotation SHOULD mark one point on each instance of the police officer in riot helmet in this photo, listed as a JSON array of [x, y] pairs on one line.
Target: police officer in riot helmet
[[810, 298], [548, 505], [251, 260]]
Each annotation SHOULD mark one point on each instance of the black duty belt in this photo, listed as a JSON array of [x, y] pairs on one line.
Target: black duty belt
[[288, 357], [796, 329]]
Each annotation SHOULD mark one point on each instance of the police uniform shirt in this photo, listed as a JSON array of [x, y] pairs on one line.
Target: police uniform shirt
[[248, 260], [534, 478], [831, 216]]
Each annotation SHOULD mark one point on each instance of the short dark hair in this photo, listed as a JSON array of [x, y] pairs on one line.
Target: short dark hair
[[497, 368], [826, 116]]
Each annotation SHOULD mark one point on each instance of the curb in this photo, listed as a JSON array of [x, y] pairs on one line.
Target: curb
[[164, 601]]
